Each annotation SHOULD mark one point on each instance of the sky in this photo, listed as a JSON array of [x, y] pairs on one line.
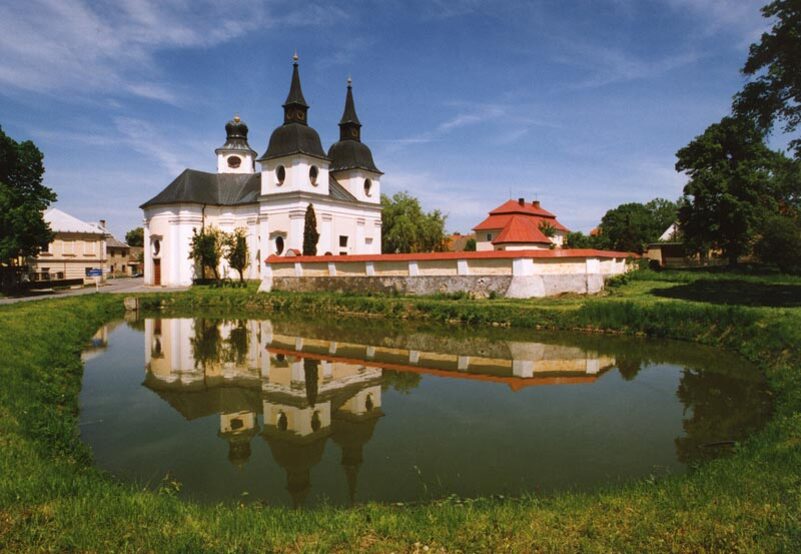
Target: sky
[[581, 104]]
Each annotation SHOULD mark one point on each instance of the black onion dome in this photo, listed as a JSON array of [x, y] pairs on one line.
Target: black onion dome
[[351, 154], [236, 136], [294, 138]]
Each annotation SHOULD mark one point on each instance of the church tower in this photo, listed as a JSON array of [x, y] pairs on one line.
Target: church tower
[[352, 162], [295, 160], [236, 155]]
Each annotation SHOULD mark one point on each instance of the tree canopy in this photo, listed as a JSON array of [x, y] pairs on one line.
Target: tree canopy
[[630, 227], [206, 250], [732, 186], [406, 228], [135, 237], [774, 95], [235, 251], [23, 199]]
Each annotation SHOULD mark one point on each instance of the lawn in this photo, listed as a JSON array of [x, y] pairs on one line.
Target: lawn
[[52, 499]]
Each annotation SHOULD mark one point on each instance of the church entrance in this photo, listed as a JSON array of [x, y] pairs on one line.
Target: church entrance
[[156, 272]]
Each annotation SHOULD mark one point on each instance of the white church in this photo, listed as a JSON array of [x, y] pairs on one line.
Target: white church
[[342, 185]]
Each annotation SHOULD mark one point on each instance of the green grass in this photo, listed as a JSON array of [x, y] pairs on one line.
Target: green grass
[[52, 499]]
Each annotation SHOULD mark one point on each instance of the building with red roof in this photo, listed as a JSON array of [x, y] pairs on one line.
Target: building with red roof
[[517, 225]]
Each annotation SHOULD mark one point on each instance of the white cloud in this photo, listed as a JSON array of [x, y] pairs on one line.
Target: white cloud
[[55, 46], [740, 16]]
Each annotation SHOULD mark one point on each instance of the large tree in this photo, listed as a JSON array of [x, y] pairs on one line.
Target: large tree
[[23, 199], [310, 234], [135, 237], [407, 228], [630, 227], [774, 93], [731, 187]]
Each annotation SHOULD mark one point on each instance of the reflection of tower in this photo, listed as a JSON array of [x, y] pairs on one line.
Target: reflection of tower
[[238, 428], [353, 427]]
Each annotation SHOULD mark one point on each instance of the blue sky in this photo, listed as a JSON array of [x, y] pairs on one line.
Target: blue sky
[[580, 103]]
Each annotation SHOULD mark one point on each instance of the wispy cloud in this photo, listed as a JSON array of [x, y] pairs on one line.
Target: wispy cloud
[[54, 46], [741, 16]]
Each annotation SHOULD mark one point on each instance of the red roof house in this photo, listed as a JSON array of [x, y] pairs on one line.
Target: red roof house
[[517, 225]]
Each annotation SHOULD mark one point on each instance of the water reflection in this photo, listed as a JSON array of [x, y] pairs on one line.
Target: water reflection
[[292, 386]]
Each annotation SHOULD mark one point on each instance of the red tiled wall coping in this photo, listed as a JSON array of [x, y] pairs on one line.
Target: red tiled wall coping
[[560, 254]]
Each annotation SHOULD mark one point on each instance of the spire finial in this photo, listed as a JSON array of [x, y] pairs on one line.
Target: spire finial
[[350, 81], [237, 118], [295, 57]]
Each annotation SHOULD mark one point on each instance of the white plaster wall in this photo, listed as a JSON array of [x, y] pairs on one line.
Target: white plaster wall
[[297, 175], [247, 165], [353, 181]]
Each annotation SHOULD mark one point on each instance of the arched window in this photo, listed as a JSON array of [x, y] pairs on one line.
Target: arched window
[[280, 175], [368, 187], [313, 173], [369, 403], [279, 245], [315, 422], [282, 421]]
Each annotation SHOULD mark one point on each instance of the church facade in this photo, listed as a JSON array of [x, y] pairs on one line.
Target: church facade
[[270, 202]]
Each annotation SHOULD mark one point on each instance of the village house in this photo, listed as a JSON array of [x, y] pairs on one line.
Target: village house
[[518, 225]]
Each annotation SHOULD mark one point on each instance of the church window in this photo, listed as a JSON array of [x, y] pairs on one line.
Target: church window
[[156, 247], [313, 173], [282, 421], [368, 185], [237, 424], [369, 402], [234, 161], [343, 241], [279, 245], [280, 174], [315, 421]]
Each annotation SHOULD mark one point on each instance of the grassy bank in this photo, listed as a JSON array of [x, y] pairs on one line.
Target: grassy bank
[[52, 499]]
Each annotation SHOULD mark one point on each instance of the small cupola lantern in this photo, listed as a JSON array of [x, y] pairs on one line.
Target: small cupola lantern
[[236, 155]]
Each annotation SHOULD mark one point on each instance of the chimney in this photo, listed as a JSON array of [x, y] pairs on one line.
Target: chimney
[[535, 203], [103, 224], [521, 201]]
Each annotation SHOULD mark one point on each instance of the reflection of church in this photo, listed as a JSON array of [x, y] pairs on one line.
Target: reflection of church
[[309, 389]]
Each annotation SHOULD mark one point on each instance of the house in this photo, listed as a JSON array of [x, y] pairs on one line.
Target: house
[[119, 253], [518, 225], [342, 185], [77, 253]]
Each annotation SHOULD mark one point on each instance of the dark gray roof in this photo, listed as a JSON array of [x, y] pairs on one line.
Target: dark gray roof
[[294, 138], [295, 96], [225, 189], [236, 136], [349, 114], [338, 192], [351, 154], [216, 189]]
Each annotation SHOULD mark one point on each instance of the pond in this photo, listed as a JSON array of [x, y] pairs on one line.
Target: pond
[[299, 413]]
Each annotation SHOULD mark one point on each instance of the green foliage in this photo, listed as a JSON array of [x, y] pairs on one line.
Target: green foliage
[[310, 234], [631, 227], [470, 245], [135, 237], [775, 93], [577, 239], [23, 199], [780, 243], [206, 250], [235, 251], [547, 229], [406, 228], [730, 188]]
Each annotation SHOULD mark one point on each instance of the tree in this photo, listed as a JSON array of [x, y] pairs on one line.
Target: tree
[[23, 199], [310, 234], [235, 250], [470, 245], [730, 188], [578, 239], [780, 243], [206, 250], [663, 214], [406, 228], [775, 93], [135, 237], [629, 227]]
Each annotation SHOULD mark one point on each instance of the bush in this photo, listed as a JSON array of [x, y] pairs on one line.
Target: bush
[[780, 244]]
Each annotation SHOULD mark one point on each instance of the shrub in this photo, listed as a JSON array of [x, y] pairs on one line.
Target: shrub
[[780, 244]]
